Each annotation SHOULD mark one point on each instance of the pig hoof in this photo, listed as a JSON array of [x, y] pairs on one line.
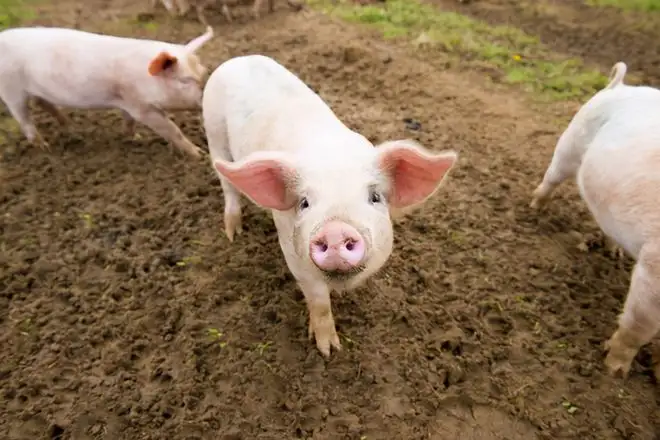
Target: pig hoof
[[233, 225], [616, 252], [41, 143], [537, 202], [619, 357], [323, 330], [195, 152], [538, 198]]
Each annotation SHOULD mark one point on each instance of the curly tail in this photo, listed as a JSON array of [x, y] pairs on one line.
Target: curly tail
[[616, 75]]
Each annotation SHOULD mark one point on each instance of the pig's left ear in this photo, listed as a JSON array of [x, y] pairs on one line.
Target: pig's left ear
[[163, 62], [414, 173]]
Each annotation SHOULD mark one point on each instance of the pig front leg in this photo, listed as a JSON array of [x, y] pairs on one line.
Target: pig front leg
[[158, 121], [52, 109], [640, 320], [321, 322], [218, 142]]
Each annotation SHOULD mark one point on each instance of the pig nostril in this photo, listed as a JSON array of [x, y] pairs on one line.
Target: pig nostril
[[350, 244], [321, 246]]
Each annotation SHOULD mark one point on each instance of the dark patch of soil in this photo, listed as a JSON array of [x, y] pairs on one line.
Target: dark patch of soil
[[487, 319]]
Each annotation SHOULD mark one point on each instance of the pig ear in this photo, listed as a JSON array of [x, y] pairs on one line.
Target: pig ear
[[263, 178], [161, 63], [414, 173]]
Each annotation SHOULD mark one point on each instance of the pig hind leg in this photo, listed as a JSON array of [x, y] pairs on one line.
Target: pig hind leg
[[219, 144], [200, 7], [256, 7], [565, 163], [130, 126], [640, 320], [17, 101]]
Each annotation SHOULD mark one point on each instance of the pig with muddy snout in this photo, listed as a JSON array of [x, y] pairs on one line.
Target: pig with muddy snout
[[612, 147], [329, 189]]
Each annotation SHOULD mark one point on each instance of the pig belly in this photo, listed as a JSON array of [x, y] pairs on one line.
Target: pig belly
[[66, 93]]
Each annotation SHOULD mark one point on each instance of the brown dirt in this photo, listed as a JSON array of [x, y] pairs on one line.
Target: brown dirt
[[487, 319]]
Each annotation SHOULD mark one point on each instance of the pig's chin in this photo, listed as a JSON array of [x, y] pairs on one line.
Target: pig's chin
[[345, 280]]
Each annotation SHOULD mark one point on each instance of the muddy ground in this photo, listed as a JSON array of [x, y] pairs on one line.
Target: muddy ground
[[126, 314]]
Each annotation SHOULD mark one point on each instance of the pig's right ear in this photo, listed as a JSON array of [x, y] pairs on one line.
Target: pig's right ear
[[265, 180], [161, 63]]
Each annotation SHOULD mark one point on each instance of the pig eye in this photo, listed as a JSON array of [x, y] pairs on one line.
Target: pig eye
[[374, 197], [303, 204]]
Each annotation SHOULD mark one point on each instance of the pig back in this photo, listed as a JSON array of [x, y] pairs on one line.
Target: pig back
[[264, 106]]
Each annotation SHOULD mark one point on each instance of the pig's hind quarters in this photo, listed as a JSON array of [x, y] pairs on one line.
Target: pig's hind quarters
[[17, 101], [640, 320]]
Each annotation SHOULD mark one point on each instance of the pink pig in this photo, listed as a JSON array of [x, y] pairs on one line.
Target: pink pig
[[76, 69], [274, 140], [181, 7], [612, 147]]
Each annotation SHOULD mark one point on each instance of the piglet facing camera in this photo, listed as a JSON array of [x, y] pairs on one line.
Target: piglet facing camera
[[612, 147], [58, 67], [329, 189]]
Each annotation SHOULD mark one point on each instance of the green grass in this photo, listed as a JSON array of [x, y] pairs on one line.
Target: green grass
[[629, 5], [520, 57], [14, 12]]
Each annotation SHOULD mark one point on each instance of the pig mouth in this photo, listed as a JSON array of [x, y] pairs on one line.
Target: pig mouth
[[342, 276]]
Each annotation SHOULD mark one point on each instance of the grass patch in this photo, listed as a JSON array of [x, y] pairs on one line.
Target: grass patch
[[15, 12], [629, 5], [520, 57]]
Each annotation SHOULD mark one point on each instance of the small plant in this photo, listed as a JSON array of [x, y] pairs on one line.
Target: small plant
[[216, 335], [188, 260], [570, 408], [348, 340], [262, 346], [87, 218], [14, 12]]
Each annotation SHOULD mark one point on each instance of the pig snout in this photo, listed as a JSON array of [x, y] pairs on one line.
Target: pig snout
[[337, 247]]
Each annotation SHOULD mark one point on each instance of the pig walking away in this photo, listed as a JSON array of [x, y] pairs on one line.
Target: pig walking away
[[274, 140], [76, 69], [181, 7], [612, 146]]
